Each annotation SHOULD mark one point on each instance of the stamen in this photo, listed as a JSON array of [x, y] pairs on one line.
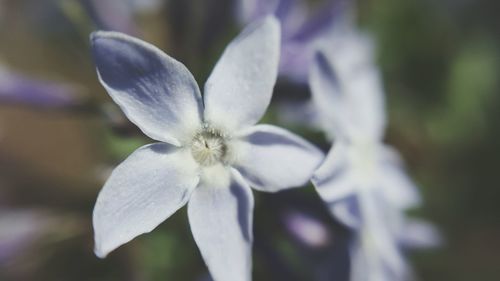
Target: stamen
[[208, 146]]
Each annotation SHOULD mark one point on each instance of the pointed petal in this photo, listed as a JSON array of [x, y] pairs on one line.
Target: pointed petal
[[144, 190], [398, 188], [368, 261], [321, 20], [332, 179], [272, 159], [379, 251], [347, 211], [353, 59], [112, 15], [347, 87], [250, 10], [220, 214], [327, 96], [156, 92], [239, 89]]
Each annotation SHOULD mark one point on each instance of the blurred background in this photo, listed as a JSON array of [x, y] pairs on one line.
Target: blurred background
[[60, 135]]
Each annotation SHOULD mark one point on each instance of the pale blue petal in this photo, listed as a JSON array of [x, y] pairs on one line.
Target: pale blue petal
[[239, 89], [272, 159], [320, 21], [328, 98], [396, 185], [113, 15], [144, 190], [156, 92], [251, 10], [346, 86], [353, 60], [220, 214], [347, 211], [333, 179], [376, 255]]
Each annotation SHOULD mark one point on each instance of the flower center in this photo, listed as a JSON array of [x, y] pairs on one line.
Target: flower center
[[363, 157], [209, 147]]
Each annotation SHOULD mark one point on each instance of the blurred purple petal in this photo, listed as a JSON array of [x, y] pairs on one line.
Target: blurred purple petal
[[18, 230], [301, 29], [321, 20], [293, 15], [112, 15], [308, 230], [249, 10], [21, 89]]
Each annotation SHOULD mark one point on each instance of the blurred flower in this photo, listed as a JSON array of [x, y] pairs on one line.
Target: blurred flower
[[112, 15], [30, 237], [22, 228], [118, 15], [308, 230], [18, 230], [350, 106], [375, 252], [362, 180], [18, 88], [209, 152], [302, 29]]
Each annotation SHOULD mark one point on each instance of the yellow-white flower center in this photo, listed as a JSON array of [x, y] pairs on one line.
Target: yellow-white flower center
[[209, 147], [363, 157]]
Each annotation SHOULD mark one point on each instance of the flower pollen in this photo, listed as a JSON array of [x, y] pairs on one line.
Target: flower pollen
[[209, 147]]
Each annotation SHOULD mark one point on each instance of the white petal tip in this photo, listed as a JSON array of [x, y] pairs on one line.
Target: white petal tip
[[97, 34], [100, 34], [100, 253], [272, 20]]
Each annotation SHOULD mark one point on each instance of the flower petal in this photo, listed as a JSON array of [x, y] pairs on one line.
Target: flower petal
[[346, 87], [272, 159], [333, 179], [369, 260], [379, 251], [112, 15], [353, 59], [156, 92], [347, 211], [327, 96], [396, 185], [250, 10], [239, 89], [220, 214], [320, 21], [149, 186]]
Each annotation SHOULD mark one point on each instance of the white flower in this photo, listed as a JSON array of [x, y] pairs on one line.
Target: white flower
[[210, 151], [362, 180]]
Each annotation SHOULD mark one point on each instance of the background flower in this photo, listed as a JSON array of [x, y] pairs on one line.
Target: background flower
[[303, 27], [20, 89], [362, 180]]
